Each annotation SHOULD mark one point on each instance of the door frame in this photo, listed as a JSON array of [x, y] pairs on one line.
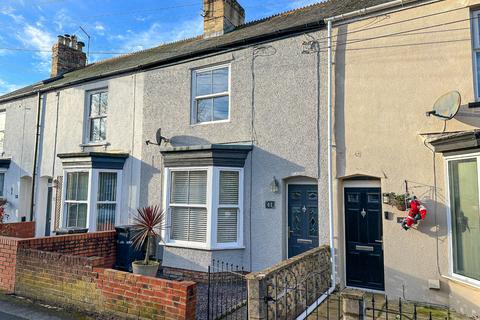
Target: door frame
[[297, 181], [360, 183]]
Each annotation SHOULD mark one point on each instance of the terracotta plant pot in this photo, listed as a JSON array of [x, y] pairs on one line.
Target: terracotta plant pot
[[149, 270]]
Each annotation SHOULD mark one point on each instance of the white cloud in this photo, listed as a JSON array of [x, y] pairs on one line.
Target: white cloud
[[6, 87], [99, 28], [38, 38], [64, 22], [158, 34]]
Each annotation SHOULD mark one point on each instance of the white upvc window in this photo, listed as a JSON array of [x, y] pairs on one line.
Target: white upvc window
[[3, 116], [211, 94], [205, 207], [91, 199], [96, 130], [464, 217], [476, 50]]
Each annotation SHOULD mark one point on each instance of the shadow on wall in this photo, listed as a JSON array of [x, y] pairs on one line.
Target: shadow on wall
[[339, 112], [468, 116], [183, 141]]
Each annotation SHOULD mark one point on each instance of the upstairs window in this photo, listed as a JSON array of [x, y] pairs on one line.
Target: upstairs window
[[3, 115], [211, 94], [97, 116]]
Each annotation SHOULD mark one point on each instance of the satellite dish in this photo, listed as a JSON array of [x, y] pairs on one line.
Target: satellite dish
[[447, 106], [158, 138]]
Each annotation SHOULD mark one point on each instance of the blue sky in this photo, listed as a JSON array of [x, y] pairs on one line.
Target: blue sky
[[114, 26]]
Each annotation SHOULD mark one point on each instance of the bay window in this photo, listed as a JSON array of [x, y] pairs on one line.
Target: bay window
[[205, 207], [463, 181], [90, 199]]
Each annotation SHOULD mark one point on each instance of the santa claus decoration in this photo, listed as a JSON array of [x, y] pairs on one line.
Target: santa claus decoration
[[416, 212]]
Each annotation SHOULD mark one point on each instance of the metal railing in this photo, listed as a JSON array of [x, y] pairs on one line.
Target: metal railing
[[402, 310], [226, 292]]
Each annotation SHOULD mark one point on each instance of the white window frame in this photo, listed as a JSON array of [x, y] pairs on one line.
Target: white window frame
[[213, 186], [88, 118], [194, 98], [475, 49], [448, 159], [92, 202]]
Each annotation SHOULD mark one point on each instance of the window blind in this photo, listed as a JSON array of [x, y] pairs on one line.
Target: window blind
[[188, 191], [106, 205], [227, 214]]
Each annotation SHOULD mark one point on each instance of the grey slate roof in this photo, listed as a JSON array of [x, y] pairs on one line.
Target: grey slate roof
[[298, 20]]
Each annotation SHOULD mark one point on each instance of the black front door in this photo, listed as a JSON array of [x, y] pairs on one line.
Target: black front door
[[363, 234], [302, 218]]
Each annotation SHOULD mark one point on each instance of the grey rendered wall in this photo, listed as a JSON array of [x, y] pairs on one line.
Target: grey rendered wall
[[63, 118], [19, 146], [283, 106]]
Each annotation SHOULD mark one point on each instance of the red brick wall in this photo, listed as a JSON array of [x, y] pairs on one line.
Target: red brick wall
[[76, 282], [100, 245], [18, 230], [127, 294], [8, 256]]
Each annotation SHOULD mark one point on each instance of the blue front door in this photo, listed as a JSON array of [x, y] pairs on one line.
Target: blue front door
[[302, 218]]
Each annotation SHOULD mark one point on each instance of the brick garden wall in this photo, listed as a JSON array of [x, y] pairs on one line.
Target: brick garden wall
[[99, 244], [18, 229], [8, 260], [77, 282]]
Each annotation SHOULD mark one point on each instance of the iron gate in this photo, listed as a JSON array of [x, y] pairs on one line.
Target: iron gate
[[226, 292]]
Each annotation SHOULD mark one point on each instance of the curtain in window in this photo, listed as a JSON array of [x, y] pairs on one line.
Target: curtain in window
[[188, 206], [227, 214], [464, 202], [106, 201], [76, 199]]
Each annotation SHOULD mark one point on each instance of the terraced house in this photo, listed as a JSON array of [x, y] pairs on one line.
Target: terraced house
[[263, 140]]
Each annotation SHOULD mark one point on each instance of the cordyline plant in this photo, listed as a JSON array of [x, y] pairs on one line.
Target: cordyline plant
[[148, 223]]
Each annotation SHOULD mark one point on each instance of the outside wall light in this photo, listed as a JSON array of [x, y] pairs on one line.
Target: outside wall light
[[274, 185]]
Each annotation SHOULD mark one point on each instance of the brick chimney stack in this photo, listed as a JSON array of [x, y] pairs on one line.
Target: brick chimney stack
[[221, 16], [67, 55]]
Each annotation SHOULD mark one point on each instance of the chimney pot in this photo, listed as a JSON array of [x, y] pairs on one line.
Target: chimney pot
[[80, 45]]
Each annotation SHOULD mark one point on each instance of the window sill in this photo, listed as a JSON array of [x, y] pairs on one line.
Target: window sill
[[95, 144], [203, 247], [199, 124], [463, 282]]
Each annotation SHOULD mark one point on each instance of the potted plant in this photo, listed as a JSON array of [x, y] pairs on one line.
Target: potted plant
[[148, 224], [398, 201]]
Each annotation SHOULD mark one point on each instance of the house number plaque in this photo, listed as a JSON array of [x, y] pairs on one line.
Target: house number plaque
[[269, 204]]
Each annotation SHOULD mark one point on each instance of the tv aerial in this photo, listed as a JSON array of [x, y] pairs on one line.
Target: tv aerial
[[447, 106], [158, 138]]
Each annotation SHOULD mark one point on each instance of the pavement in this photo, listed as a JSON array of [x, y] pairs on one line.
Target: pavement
[[15, 308]]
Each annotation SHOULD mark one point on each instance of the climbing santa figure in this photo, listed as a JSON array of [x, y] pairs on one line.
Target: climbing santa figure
[[416, 213]]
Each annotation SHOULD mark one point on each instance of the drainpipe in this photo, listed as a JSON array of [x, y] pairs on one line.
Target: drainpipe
[[330, 160], [35, 156]]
